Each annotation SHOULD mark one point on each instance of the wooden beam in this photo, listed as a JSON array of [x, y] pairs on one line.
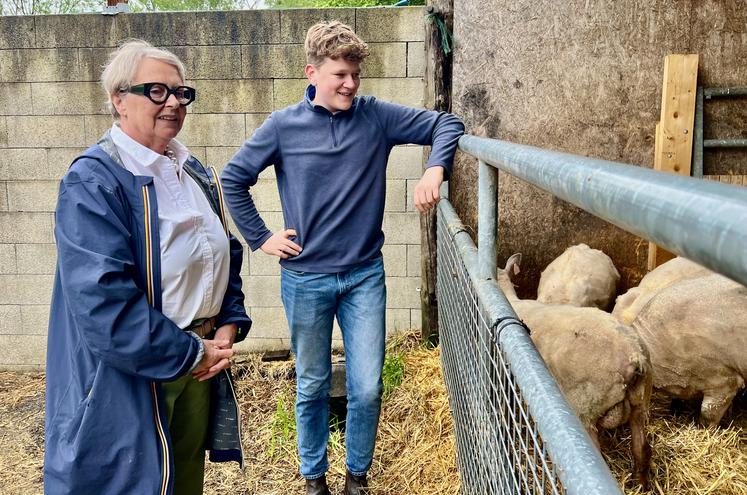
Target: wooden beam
[[438, 97], [673, 147]]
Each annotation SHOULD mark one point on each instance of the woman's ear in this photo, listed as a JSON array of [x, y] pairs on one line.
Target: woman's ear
[[119, 103]]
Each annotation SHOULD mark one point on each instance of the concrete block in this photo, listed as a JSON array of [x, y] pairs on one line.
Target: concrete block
[[274, 220], [413, 261], [387, 24], [395, 259], [68, 98], [36, 259], [96, 126], [263, 292], [405, 162], [23, 351], [411, 184], [3, 131], [35, 319], [397, 320], [254, 344], [32, 195], [416, 319], [25, 289], [39, 65], [296, 22], [199, 153], [288, 92], [3, 196], [32, 227], [232, 96], [264, 264], [253, 122], [213, 130], [82, 30], [275, 61], [266, 196], [160, 29], [15, 99], [60, 159], [239, 27], [386, 60], [90, 62], [416, 59], [401, 228], [395, 195], [269, 323], [19, 164], [45, 131], [8, 259], [10, 319], [219, 156], [245, 264], [405, 91], [17, 32], [403, 292], [209, 62]]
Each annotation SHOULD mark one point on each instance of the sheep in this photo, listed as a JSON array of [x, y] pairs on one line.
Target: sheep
[[628, 305], [601, 365], [581, 276], [696, 333]]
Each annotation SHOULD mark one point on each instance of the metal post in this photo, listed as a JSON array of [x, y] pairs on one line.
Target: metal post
[[486, 229], [697, 170]]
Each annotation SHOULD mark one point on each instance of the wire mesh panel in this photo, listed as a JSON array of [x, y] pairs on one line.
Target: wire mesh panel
[[499, 450]]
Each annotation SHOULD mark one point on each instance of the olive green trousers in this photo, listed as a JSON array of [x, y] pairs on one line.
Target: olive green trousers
[[188, 407]]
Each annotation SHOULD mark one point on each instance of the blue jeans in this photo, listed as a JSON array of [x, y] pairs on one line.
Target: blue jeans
[[357, 297]]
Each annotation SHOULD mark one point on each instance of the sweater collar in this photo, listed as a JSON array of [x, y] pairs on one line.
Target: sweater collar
[[309, 96]]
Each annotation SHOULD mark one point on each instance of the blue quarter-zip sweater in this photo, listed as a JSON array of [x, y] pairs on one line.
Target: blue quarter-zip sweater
[[331, 174]]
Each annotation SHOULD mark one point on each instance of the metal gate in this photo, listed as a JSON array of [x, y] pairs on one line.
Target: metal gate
[[515, 432]]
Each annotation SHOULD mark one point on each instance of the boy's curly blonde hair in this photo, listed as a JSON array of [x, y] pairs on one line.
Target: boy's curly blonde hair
[[335, 40]]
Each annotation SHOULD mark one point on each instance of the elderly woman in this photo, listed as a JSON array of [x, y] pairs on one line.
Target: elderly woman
[[147, 300]]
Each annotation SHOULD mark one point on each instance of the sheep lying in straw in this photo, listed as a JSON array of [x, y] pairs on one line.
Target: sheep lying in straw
[[696, 333], [601, 365], [581, 276]]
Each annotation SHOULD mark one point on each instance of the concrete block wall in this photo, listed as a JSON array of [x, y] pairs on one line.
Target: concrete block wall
[[244, 64]]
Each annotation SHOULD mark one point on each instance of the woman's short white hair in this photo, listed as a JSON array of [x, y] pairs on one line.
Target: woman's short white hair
[[124, 62]]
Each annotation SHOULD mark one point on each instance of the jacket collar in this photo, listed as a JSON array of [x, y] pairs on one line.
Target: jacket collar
[[106, 143]]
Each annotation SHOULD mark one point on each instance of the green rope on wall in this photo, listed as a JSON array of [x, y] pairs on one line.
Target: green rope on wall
[[447, 39]]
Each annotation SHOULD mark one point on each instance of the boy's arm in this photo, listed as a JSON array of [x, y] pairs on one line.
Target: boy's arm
[[440, 130], [241, 173]]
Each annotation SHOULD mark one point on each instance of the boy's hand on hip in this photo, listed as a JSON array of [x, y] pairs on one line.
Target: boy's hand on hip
[[427, 191], [281, 245]]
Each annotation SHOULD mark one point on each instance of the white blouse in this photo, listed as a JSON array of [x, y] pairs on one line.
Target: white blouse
[[194, 248]]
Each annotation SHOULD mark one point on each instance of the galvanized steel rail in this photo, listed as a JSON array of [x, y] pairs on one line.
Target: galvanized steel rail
[[704, 221], [515, 432]]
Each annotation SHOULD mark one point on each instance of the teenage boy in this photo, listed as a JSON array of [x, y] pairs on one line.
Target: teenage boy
[[330, 153]]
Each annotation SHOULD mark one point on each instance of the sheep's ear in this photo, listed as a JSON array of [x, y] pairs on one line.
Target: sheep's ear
[[513, 265]]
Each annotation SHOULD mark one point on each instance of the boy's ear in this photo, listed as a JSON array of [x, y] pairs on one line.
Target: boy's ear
[[310, 71]]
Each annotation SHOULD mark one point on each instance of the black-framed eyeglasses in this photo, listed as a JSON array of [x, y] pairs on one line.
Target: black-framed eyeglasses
[[158, 93]]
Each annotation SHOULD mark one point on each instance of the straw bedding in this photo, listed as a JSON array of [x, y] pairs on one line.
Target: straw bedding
[[415, 448]]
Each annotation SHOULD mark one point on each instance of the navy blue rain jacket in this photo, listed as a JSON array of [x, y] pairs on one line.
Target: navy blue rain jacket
[[109, 345]]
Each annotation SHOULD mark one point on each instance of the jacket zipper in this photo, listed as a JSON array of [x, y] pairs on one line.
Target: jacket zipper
[[332, 126], [153, 385]]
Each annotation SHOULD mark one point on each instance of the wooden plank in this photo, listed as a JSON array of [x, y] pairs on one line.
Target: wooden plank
[[673, 146], [678, 113]]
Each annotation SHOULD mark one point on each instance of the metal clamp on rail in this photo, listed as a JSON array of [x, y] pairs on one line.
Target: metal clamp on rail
[[501, 323]]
